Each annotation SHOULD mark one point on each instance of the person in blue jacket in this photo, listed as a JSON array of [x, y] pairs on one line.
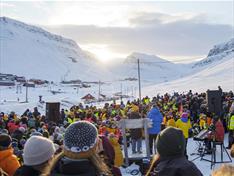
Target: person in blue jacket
[[156, 117]]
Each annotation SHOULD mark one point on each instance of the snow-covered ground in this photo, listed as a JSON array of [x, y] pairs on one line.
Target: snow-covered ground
[[67, 95]]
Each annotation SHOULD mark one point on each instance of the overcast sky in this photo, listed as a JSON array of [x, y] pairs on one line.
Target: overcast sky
[[172, 30]]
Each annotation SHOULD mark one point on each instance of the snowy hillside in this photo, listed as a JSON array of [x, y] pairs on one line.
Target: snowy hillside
[[35, 53], [215, 70], [217, 54], [152, 68], [30, 51]]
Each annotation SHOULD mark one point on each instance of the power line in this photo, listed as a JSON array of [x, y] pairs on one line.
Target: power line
[[166, 61], [163, 62]]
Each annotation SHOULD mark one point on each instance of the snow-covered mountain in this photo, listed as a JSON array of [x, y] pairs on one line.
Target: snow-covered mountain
[[35, 53], [216, 55], [153, 69], [217, 69]]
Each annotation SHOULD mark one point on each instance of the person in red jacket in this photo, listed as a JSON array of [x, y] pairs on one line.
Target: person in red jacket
[[219, 130], [12, 126], [216, 133]]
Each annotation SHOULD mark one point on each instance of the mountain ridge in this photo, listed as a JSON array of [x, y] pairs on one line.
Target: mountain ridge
[[32, 51]]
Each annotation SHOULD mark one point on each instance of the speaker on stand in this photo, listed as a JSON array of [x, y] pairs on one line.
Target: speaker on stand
[[214, 101], [53, 111]]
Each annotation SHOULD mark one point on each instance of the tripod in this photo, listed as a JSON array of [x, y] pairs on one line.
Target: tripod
[[213, 160], [200, 150]]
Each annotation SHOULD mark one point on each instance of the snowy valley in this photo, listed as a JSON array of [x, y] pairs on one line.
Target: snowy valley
[[32, 52]]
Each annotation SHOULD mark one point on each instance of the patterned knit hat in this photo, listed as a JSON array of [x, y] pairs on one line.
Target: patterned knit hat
[[80, 137]]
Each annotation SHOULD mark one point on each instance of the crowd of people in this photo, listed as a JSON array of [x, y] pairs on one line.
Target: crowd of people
[[86, 140]]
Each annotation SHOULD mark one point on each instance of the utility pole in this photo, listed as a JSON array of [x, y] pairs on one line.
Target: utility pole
[[99, 90], [77, 90], [26, 96], [139, 79], [121, 87]]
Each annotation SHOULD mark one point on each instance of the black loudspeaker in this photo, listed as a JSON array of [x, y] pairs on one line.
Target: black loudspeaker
[[53, 111], [214, 101]]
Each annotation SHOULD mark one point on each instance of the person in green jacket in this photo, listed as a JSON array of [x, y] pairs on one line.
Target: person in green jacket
[[231, 130]]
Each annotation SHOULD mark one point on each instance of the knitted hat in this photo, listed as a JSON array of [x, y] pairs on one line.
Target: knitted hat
[[184, 115], [80, 137], [5, 131], [170, 142], [5, 140], [22, 129], [37, 150], [36, 133]]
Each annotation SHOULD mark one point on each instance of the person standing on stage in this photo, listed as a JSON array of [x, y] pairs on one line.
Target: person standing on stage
[[156, 117]]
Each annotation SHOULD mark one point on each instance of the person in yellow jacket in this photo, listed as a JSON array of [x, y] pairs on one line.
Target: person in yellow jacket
[[174, 107], [231, 129], [164, 122], [185, 125], [171, 121], [8, 161], [69, 119], [147, 100], [118, 153], [202, 122]]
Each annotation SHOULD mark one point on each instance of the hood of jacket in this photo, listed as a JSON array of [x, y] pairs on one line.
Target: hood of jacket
[[154, 111], [68, 167], [173, 166]]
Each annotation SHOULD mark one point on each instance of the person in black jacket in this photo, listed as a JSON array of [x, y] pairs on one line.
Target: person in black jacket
[[79, 156], [36, 112], [136, 134], [170, 160]]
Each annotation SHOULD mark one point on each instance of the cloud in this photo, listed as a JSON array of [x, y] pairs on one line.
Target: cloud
[[155, 18], [5, 5], [155, 33]]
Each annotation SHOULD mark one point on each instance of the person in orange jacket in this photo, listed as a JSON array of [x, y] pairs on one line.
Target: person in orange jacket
[[8, 161]]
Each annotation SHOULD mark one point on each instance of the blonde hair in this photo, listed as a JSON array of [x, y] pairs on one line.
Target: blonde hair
[[2, 173], [153, 163], [224, 170], [232, 151]]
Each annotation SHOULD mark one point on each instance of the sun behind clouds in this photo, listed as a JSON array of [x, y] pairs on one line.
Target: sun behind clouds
[[102, 52]]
